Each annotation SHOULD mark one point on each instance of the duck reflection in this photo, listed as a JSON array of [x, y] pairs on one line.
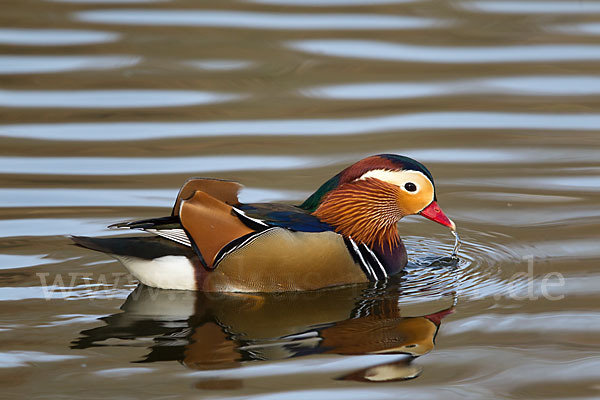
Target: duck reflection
[[207, 331]]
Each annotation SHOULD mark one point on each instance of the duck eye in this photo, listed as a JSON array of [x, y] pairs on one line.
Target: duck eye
[[410, 187]]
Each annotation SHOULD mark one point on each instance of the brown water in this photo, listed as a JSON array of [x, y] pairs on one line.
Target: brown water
[[106, 107]]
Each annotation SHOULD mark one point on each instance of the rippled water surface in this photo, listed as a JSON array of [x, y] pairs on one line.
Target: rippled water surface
[[107, 106]]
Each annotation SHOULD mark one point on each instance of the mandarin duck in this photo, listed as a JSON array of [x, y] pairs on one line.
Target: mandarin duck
[[344, 233]]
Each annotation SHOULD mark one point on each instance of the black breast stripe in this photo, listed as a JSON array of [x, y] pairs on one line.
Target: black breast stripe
[[376, 265], [361, 258], [238, 244]]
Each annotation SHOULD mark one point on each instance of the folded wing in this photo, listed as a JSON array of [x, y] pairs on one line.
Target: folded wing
[[208, 217]]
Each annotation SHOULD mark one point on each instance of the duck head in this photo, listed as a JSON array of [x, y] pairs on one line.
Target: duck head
[[367, 199]]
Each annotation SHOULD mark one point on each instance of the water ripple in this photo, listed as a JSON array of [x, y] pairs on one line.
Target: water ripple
[[569, 249], [522, 217], [378, 50], [501, 155], [108, 1], [12, 359], [328, 3], [477, 274], [255, 20], [220, 65], [44, 197], [519, 323], [148, 166], [86, 197], [533, 7], [109, 98], [518, 85], [54, 37], [17, 64], [590, 28], [12, 261], [556, 182], [116, 131], [10, 228]]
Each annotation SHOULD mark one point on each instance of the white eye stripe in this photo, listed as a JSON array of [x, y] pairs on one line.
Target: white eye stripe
[[398, 178]]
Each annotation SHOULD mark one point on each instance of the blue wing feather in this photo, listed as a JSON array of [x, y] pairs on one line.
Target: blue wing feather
[[285, 216]]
